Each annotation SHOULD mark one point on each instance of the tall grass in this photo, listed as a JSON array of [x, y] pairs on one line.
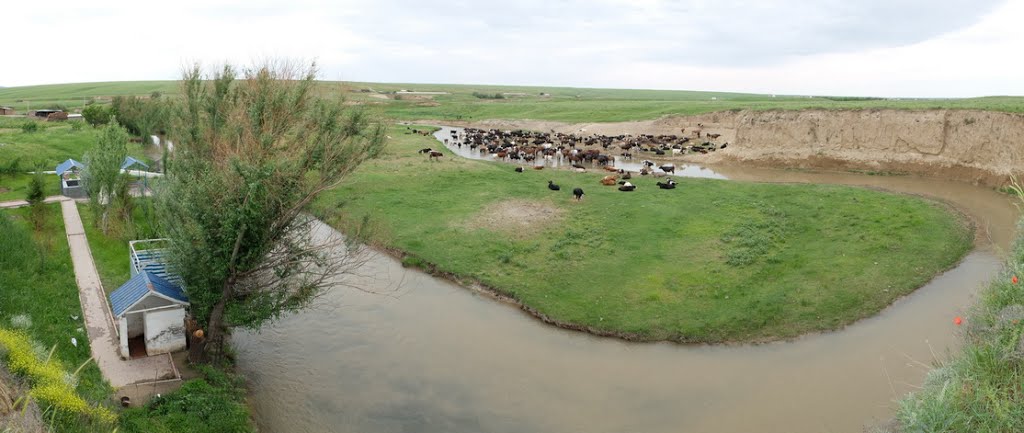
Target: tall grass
[[981, 389], [38, 294]]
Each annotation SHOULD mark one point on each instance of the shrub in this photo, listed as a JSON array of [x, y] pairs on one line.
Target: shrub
[[11, 167], [21, 321], [51, 384], [213, 403], [96, 114], [36, 195], [482, 95], [30, 126]]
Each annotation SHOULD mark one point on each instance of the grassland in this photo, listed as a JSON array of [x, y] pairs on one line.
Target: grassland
[[52, 144], [15, 186], [78, 94], [521, 102], [111, 251], [37, 281], [711, 261]]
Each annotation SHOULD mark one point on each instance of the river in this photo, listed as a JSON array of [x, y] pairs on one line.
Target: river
[[430, 356]]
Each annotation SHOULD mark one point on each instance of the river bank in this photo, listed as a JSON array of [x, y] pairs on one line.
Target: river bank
[[425, 355], [973, 146], [711, 261]]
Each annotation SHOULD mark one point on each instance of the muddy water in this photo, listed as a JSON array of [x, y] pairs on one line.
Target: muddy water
[[633, 164], [435, 357]]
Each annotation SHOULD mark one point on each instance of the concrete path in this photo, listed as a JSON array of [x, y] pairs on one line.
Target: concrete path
[[103, 339], [22, 203]]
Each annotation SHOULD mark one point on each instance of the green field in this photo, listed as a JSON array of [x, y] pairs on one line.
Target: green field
[[15, 187], [111, 251], [711, 261], [37, 281], [52, 144], [559, 103]]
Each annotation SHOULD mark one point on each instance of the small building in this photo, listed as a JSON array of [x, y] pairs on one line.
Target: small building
[[71, 179], [6, 111], [133, 164], [150, 307], [43, 113], [139, 173]]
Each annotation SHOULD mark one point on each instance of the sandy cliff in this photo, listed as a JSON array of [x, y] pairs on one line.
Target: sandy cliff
[[975, 146]]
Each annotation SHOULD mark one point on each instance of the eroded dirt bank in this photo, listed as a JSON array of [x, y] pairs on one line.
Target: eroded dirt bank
[[980, 147]]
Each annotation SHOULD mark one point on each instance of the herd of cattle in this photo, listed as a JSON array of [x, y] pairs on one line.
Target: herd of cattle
[[529, 146], [577, 150]]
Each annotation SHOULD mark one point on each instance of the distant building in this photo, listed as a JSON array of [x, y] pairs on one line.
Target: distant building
[[413, 92], [6, 111], [42, 113], [72, 185]]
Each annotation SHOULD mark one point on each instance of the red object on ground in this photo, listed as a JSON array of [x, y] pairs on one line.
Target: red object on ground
[[1014, 279], [958, 320]]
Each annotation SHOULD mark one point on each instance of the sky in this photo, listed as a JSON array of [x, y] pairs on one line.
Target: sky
[[888, 48]]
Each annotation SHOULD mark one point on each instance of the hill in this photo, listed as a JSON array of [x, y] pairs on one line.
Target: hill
[[408, 101]]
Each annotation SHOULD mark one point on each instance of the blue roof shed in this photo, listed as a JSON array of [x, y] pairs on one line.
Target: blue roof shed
[[68, 165], [142, 287], [129, 162]]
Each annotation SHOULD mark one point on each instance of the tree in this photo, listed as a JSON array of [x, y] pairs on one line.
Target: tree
[[96, 114], [250, 156], [35, 196], [141, 117], [103, 171]]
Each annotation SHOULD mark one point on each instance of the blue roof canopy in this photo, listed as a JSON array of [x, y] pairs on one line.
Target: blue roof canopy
[[129, 161], [140, 286], [67, 165]]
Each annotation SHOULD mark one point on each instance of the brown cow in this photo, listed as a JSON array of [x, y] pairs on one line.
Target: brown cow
[[610, 180]]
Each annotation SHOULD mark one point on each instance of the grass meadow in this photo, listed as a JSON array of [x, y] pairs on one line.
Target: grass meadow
[[37, 281], [711, 261], [564, 104]]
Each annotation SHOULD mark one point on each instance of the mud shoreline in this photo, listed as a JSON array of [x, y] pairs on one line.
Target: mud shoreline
[[977, 147]]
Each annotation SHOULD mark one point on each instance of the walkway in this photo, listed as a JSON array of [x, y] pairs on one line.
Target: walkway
[[99, 321], [22, 203]]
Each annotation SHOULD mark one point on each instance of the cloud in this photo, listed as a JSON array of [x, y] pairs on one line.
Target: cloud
[[825, 46], [697, 32]]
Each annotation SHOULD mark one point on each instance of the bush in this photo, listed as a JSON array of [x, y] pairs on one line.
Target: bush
[[214, 404], [30, 126], [51, 384], [11, 167], [488, 95], [35, 196], [96, 114]]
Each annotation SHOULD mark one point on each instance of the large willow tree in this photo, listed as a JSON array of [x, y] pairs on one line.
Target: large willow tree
[[252, 151]]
